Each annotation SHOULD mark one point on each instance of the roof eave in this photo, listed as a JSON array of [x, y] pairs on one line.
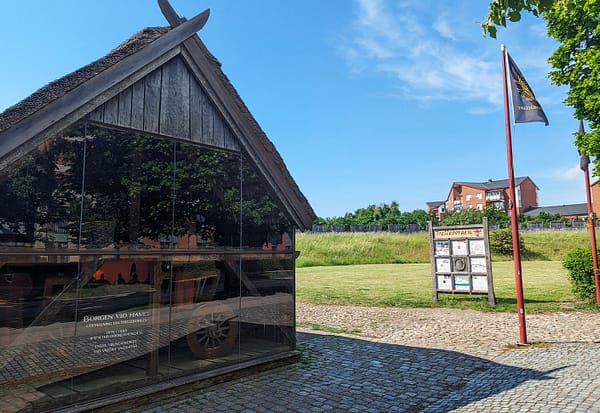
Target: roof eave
[[75, 104]]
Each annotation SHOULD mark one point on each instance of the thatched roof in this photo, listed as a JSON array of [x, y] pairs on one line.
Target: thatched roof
[[65, 84], [257, 141]]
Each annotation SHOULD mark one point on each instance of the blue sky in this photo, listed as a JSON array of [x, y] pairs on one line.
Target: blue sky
[[368, 101]]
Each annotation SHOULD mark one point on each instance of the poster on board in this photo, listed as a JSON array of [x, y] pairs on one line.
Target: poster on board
[[444, 282], [442, 247], [459, 247], [462, 283], [477, 247], [479, 265], [480, 283], [442, 264]]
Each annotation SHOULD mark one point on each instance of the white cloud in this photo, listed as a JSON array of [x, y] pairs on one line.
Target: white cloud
[[567, 174], [447, 74], [443, 28], [422, 55]]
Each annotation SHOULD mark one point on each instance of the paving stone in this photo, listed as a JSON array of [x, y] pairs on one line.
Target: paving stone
[[351, 374]]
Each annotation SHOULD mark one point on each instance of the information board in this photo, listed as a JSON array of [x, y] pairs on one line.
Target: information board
[[461, 260]]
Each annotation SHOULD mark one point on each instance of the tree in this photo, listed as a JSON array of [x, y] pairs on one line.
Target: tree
[[497, 216], [464, 217], [502, 11], [576, 62], [545, 218], [382, 214]]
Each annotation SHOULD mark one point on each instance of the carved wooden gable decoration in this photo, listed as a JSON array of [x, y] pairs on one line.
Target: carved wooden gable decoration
[[162, 81]]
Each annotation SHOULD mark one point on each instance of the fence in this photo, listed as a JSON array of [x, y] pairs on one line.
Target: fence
[[321, 228], [576, 225]]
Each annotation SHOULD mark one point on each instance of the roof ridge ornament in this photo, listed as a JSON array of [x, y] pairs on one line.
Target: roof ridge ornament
[[171, 15]]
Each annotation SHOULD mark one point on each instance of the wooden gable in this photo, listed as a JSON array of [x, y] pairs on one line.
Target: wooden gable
[[169, 102]]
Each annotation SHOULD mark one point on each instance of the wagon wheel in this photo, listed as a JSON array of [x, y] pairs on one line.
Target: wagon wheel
[[214, 331]]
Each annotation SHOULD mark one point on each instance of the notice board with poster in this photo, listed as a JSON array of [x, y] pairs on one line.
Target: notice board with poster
[[461, 261]]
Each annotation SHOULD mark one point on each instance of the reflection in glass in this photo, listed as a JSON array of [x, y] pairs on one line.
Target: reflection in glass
[[40, 197], [207, 197], [206, 308], [267, 277], [264, 224], [139, 258], [37, 311]]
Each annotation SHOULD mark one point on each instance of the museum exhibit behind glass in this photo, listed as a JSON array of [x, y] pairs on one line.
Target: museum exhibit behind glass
[[137, 258]]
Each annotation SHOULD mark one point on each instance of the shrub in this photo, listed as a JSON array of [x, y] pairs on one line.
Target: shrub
[[581, 272], [501, 241]]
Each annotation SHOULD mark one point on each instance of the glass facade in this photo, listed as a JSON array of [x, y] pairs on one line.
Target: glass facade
[[128, 259]]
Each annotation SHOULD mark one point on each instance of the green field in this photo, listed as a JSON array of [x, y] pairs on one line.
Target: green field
[[397, 248], [394, 270]]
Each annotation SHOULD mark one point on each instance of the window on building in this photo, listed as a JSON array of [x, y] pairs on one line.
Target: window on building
[[493, 195], [479, 195], [480, 207], [469, 197]]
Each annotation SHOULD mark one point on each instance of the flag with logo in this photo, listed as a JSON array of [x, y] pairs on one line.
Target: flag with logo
[[526, 108]]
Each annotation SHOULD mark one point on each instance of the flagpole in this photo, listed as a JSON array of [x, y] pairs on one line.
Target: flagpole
[[591, 222], [513, 210], [592, 235]]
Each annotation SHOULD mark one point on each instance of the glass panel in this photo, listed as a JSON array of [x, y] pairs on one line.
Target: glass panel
[[267, 275], [205, 291], [129, 259], [128, 209], [207, 198], [40, 197], [128, 190], [267, 313], [204, 315], [38, 307], [117, 330]]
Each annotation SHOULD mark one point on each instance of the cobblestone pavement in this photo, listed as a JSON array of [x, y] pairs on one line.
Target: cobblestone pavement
[[353, 374]]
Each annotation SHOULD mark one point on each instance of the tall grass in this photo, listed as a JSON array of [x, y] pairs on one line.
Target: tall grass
[[553, 245], [361, 248], [396, 248]]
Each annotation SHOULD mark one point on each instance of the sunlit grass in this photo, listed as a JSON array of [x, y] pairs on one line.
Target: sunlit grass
[[327, 329], [545, 285]]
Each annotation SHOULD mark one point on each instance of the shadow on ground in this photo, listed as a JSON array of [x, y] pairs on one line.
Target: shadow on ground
[[346, 374], [389, 377]]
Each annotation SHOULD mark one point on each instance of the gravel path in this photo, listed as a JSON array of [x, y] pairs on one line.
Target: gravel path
[[477, 333]]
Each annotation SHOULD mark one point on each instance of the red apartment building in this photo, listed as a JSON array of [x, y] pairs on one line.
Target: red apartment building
[[480, 195], [595, 192]]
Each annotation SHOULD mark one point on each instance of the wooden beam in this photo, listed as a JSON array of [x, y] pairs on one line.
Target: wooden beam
[[169, 12]]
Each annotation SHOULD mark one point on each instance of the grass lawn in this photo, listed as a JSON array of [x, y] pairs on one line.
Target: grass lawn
[[545, 285]]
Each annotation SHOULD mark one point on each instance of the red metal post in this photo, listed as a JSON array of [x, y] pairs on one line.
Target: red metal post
[[588, 192], [513, 211], [592, 234]]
